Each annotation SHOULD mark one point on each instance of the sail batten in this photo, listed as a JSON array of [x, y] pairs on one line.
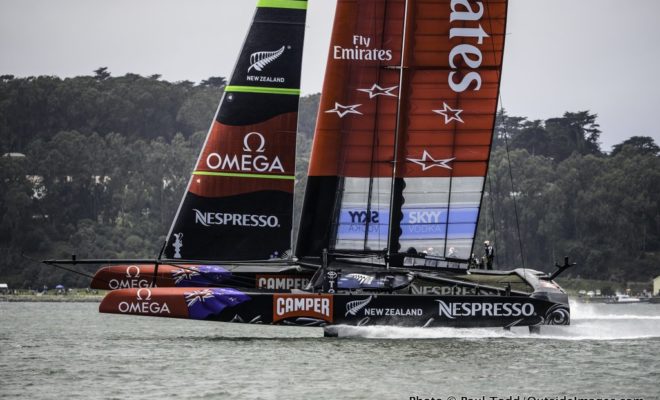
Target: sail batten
[[411, 104]]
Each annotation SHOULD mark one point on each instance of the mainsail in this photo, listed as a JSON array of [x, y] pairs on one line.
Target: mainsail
[[404, 128], [239, 201]]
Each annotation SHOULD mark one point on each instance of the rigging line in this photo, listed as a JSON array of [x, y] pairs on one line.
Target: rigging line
[[496, 67], [77, 272], [162, 251], [61, 267], [513, 187], [506, 134], [491, 201]]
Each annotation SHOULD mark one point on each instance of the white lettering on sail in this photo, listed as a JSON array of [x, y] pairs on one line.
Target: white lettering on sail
[[463, 11], [424, 217], [361, 217], [247, 162], [260, 61], [360, 51], [468, 15], [260, 137], [232, 219]]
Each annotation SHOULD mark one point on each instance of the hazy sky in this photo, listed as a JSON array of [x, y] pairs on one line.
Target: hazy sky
[[560, 55]]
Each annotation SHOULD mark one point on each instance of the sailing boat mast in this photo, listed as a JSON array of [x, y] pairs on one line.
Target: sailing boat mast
[[395, 190]]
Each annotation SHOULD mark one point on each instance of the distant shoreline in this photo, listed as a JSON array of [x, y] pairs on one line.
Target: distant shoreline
[[17, 298]]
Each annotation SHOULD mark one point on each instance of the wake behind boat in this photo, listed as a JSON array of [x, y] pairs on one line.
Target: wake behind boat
[[394, 190]]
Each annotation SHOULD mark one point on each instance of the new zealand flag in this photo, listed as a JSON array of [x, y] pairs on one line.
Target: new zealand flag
[[205, 302], [200, 276]]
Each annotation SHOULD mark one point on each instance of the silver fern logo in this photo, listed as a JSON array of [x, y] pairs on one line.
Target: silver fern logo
[[363, 279], [353, 307], [260, 59]]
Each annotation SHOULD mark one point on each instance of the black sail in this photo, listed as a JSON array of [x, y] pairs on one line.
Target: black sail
[[239, 201]]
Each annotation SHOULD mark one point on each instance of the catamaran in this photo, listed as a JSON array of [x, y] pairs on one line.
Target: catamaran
[[394, 187]]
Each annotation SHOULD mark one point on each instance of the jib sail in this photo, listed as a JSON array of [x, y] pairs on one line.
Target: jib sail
[[404, 128], [238, 205]]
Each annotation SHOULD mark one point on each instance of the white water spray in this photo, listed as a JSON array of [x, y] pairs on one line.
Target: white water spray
[[588, 322]]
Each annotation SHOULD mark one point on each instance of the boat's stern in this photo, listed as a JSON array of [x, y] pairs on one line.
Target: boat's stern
[[548, 290]]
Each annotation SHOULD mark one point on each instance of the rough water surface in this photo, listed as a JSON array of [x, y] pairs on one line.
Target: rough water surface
[[69, 350]]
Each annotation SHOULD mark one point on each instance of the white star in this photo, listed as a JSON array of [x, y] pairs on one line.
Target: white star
[[450, 114], [342, 110], [428, 162], [376, 90]]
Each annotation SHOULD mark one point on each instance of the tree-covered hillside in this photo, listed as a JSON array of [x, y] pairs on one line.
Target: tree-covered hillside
[[96, 166]]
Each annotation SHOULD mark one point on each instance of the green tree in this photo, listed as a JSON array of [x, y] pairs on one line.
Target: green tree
[[574, 132], [640, 144], [101, 73], [215, 81]]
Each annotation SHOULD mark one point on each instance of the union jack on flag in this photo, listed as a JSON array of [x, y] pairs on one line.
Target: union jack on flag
[[203, 303], [198, 296], [186, 274]]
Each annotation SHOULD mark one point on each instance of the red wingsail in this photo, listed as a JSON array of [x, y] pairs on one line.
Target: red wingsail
[[405, 125]]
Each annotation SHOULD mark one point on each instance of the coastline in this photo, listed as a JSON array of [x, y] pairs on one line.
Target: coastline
[[48, 298]]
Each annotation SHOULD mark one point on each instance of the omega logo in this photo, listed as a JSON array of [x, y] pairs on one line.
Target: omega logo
[[133, 267], [139, 294], [262, 142]]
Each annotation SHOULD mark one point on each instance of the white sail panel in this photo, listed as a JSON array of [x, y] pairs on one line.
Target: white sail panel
[[364, 215]]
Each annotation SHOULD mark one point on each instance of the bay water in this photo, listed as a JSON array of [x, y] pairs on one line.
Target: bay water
[[70, 351]]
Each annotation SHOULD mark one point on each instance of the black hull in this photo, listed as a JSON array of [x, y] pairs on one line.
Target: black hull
[[322, 310], [407, 311]]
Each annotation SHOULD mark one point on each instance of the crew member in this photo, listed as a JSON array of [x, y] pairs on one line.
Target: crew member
[[489, 254]]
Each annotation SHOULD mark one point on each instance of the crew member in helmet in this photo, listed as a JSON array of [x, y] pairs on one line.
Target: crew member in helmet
[[489, 254]]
